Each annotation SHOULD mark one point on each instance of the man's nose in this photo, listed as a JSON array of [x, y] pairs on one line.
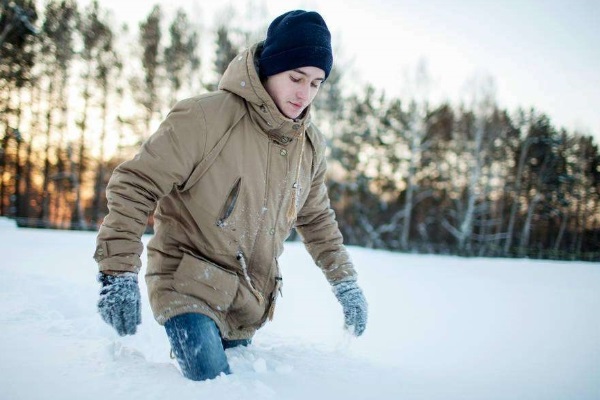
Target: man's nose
[[302, 92]]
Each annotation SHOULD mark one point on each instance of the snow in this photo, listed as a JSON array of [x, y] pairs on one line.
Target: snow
[[439, 328]]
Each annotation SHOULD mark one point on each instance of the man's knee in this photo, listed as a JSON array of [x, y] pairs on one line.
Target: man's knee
[[196, 343]]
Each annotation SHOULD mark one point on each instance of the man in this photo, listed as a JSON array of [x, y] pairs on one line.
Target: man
[[231, 173]]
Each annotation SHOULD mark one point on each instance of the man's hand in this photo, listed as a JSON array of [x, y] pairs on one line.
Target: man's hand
[[120, 304], [354, 304]]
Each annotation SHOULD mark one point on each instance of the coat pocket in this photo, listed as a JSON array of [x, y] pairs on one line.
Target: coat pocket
[[230, 203], [206, 281]]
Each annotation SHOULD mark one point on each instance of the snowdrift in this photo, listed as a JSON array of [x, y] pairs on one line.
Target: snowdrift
[[439, 328]]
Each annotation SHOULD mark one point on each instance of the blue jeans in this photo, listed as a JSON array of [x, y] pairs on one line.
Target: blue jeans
[[198, 346]]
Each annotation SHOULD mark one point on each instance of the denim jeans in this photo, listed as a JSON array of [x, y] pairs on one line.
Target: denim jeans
[[198, 346]]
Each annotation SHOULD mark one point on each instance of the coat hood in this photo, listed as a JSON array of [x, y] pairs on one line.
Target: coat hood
[[241, 78]]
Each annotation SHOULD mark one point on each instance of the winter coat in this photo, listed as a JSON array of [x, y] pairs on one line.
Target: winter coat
[[217, 239]]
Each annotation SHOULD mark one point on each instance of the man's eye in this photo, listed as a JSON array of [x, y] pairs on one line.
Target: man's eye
[[294, 79], [316, 85]]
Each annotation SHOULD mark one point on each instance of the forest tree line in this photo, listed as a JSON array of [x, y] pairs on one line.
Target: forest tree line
[[78, 95]]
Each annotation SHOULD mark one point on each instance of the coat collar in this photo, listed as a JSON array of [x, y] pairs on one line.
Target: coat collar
[[241, 78]]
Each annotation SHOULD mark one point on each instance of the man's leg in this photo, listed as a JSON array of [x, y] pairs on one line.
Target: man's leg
[[196, 342]]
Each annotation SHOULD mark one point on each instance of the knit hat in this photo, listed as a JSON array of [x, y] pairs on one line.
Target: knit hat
[[296, 39]]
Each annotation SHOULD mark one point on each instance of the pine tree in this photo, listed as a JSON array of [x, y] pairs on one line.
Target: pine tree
[[181, 58], [106, 77], [17, 59], [150, 40], [226, 50], [57, 33], [96, 36]]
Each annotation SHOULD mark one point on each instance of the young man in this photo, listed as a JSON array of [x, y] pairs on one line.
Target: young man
[[231, 173]]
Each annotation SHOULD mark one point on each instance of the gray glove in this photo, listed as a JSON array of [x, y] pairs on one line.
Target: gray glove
[[354, 304], [120, 302]]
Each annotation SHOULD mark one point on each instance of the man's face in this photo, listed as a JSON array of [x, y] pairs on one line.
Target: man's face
[[293, 90]]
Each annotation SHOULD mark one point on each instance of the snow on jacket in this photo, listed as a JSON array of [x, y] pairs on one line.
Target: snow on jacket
[[217, 240]]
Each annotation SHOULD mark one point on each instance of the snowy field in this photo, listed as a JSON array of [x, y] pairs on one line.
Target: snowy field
[[440, 328]]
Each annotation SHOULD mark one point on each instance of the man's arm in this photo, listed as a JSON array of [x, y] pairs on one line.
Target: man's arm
[[163, 162], [319, 230], [320, 233]]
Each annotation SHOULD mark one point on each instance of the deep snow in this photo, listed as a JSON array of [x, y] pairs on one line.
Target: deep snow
[[439, 328]]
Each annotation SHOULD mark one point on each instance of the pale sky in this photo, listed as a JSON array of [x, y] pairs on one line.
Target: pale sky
[[540, 53]]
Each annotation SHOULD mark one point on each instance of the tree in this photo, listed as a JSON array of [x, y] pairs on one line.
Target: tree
[[235, 33], [541, 170], [97, 38], [585, 174], [330, 98], [58, 30], [495, 177], [226, 50], [17, 59], [181, 58], [416, 134], [435, 181], [150, 40], [16, 23], [109, 66], [477, 140], [357, 151]]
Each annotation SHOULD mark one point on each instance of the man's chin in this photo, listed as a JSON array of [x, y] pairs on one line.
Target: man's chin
[[292, 114]]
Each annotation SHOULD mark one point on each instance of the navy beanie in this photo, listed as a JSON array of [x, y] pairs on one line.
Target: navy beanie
[[296, 39]]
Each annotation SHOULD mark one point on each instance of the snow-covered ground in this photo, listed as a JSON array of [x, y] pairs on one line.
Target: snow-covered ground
[[440, 328]]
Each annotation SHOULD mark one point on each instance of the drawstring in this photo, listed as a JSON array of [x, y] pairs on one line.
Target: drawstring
[[292, 211]]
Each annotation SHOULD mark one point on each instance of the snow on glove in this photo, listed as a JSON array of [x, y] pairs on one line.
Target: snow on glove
[[354, 304], [120, 302]]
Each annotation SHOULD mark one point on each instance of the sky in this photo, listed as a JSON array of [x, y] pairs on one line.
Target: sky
[[541, 54]]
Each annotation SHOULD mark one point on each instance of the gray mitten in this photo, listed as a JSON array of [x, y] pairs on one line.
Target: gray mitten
[[354, 304], [120, 302]]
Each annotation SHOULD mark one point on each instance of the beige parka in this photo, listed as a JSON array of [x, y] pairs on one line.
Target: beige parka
[[217, 240]]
